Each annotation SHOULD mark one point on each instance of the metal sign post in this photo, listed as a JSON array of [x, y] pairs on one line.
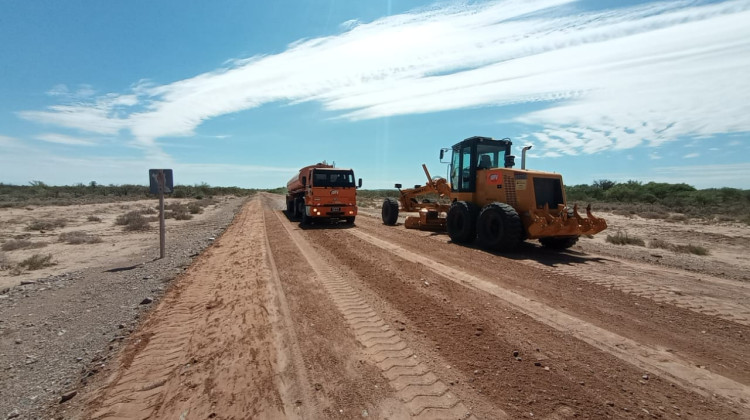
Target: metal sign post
[[160, 182], [162, 228]]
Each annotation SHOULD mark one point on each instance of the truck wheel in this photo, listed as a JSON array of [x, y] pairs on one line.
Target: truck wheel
[[559, 242], [306, 220], [289, 207], [499, 227], [299, 208], [390, 211], [461, 222]]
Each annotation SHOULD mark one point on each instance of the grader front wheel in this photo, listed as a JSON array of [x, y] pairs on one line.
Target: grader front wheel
[[390, 211]]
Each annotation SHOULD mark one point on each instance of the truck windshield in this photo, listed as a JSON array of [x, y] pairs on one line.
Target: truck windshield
[[333, 178]]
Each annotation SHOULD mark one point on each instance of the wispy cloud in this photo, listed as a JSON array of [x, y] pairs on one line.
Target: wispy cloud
[[63, 139], [613, 79], [691, 155], [711, 175]]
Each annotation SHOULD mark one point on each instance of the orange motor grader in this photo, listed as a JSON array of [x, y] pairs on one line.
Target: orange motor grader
[[489, 201]]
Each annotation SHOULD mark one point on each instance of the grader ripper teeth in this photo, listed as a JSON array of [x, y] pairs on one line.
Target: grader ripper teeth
[[568, 223]]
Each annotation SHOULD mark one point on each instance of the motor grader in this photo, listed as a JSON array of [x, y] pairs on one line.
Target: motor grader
[[489, 201]]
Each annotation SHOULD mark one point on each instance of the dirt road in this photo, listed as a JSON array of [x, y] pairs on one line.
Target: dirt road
[[280, 321]]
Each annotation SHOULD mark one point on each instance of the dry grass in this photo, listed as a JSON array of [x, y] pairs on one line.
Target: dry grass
[[132, 221], [46, 224], [93, 218], [36, 262], [685, 249], [623, 239], [79, 237], [14, 244]]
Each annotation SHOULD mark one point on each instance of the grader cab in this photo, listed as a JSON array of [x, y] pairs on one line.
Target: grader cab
[[487, 200]]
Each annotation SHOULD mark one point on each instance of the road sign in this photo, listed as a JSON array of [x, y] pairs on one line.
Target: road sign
[[160, 182], [153, 177]]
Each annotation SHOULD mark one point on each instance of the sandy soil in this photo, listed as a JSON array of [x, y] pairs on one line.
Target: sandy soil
[[116, 244], [277, 320]]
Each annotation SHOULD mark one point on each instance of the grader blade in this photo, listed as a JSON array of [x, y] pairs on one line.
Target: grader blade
[[427, 220]]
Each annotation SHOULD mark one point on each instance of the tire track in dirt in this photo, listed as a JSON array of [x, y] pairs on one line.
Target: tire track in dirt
[[718, 297], [420, 390], [672, 367], [700, 293], [216, 345]]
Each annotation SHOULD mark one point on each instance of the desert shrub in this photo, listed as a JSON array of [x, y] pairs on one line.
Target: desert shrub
[[181, 215], [36, 262], [14, 244], [195, 208], [621, 238], [79, 237], [177, 211], [692, 249], [685, 249], [46, 224], [132, 220], [93, 218]]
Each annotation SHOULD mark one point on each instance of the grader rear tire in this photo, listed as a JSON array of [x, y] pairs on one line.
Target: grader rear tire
[[499, 227], [390, 211], [462, 221]]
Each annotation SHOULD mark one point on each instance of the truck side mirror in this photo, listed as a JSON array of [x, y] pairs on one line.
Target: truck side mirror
[[304, 181], [359, 183], [398, 186]]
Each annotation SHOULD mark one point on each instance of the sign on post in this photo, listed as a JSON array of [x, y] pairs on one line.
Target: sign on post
[[153, 177], [160, 182]]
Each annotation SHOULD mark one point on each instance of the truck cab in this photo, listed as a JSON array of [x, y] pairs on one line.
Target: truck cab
[[323, 192]]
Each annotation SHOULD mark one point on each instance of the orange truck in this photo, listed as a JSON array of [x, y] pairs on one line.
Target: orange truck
[[321, 192]]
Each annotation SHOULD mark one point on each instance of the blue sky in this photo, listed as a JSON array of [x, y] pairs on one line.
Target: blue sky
[[243, 93]]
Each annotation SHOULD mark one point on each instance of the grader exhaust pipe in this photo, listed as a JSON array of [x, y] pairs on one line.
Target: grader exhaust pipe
[[523, 156]]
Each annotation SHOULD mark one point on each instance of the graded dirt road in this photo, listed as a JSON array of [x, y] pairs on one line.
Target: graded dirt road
[[276, 320]]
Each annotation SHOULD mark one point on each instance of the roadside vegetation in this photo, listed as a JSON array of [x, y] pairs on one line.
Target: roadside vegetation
[[38, 193], [48, 224], [36, 262], [687, 249], [79, 237], [15, 244], [657, 200], [622, 238], [134, 220]]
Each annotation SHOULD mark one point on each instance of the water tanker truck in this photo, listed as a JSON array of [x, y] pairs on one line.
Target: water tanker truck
[[322, 192]]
